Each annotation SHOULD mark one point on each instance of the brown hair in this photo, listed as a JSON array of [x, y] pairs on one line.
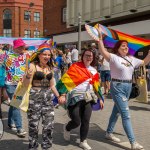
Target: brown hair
[[94, 56], [117, 45]]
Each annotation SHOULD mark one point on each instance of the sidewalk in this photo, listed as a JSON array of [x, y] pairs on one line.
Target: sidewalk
[[140, 114]]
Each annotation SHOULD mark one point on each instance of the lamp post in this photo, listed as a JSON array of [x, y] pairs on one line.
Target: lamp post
[[79, 33], [29, 16]]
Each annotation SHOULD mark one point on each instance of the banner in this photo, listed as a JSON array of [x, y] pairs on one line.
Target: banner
[[28, 41]]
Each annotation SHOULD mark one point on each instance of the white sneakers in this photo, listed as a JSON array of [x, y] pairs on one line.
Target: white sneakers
[[136, 146], [85, 145], [111, 137], [66, 133]]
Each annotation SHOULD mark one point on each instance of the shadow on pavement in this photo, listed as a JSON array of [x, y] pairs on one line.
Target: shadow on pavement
[[58, 136], [95, 133], [98, 134], [137, 108], [11, 144]]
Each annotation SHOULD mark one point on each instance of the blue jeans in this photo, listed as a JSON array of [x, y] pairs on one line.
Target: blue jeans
[[14, 115], [120, 93]]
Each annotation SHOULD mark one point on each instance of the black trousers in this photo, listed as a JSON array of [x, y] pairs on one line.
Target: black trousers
[[80, 113]]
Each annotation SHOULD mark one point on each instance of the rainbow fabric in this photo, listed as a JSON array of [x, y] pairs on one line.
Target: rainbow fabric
[[77, 74], [41, 48], [112, 36]]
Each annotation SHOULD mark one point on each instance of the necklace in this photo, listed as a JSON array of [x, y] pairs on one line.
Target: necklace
[[44, 69]]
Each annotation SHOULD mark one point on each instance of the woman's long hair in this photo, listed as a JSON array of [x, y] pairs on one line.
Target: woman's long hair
[[94, 56], [37, 61], [117, 45]]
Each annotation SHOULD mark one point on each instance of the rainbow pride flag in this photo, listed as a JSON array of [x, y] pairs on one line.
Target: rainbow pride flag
[[77, 74], [110, 37]]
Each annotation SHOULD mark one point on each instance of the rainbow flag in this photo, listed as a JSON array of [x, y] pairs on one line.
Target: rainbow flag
[[77, 74], [110, 37]]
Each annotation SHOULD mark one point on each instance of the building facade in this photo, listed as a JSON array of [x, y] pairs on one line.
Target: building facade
[[21, 18], [129, 16], [54, 14]]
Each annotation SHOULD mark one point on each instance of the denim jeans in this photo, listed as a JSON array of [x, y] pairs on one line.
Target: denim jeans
[[14, 115], [120, 93]]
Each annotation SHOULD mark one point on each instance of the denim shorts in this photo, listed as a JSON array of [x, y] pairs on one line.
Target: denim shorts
[[105, 75]]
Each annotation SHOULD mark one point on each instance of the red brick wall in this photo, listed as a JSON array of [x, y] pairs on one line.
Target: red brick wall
[[52, 13], [18, 23]]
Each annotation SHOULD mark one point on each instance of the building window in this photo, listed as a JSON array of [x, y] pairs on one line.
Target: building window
[[7, 14], [36, 16], [7, 32], [36, 34], [27, 15], [27, 33], [64, 14], [7, 19]]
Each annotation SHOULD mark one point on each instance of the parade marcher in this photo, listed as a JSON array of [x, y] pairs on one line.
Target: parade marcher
[[68, 57], [105, 74], [121, 84], [78, 105], [74, 54], [40, 75], [15, 65]]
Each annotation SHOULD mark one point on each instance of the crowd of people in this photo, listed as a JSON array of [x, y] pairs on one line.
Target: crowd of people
[[49, 67]]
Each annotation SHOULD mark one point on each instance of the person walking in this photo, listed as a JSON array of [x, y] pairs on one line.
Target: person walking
[[74, 54], [80, 97], [122, 66], [15, 64], [105, 75], [40, 75]]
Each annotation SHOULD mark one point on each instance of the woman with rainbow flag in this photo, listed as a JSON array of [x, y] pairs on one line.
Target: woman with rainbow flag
[[80, 84], [122, 66]]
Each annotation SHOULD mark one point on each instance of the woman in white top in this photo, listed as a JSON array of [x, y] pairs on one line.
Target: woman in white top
[[121, 84]]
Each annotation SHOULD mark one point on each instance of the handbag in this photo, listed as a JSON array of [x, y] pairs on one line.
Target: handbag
[[20, 98], [135, 91]]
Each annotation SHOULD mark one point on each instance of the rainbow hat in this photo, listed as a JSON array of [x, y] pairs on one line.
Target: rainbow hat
[[43, 47]]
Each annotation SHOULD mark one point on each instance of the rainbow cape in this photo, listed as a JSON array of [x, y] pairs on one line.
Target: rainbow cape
[[110, 37], [77, 74]]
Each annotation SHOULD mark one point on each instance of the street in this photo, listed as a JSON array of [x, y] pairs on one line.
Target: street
[[140, 115]]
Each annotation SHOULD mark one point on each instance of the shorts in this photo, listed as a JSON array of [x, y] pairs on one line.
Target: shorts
[[105, 76]]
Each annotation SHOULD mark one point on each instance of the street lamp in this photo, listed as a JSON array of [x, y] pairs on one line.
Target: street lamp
[[79, 33], [29, 15]]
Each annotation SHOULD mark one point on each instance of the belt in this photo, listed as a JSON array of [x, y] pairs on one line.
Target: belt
[[124, 81]]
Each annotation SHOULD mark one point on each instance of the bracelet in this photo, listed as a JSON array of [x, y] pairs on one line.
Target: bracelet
[[27, 77]]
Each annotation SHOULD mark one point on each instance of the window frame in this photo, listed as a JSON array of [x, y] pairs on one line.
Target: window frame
[[36, 17], [27, 33]]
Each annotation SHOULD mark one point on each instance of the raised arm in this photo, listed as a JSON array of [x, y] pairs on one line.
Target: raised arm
[[147, 58], [101, 47]]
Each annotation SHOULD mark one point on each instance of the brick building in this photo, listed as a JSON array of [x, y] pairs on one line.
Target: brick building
[[21, 18], [54, 14]]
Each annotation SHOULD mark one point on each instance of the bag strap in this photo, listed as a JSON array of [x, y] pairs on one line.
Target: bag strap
[[134, 75], [127, 61]]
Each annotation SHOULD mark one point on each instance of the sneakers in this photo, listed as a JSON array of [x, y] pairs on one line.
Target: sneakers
[[111, 137], [85, 145], [21, 133], [136, 146], [66, 133], [12, 127]]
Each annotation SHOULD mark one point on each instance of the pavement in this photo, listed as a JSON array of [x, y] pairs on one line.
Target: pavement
[[140, 115]]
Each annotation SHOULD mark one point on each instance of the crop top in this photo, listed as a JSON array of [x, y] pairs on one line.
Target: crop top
[[44, 79]]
